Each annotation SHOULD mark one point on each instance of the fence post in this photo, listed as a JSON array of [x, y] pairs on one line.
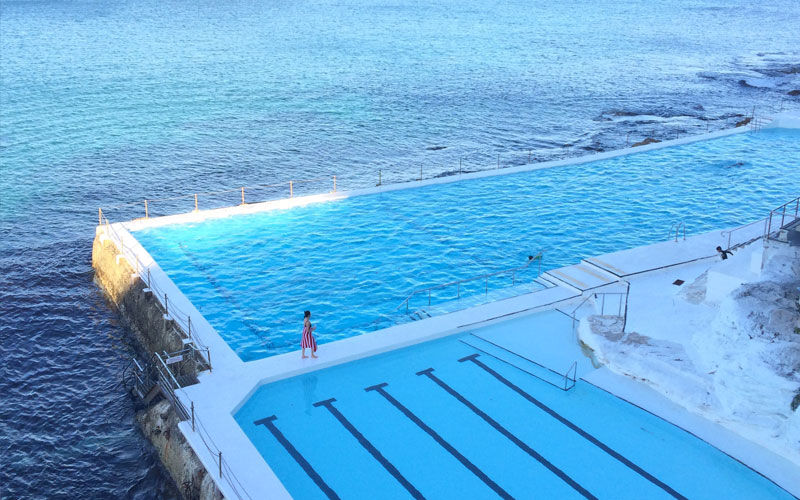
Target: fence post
[[334, 183], [192, 416], [242, 195], [291, 189], [99, 216], [195, 202], [146, 211]]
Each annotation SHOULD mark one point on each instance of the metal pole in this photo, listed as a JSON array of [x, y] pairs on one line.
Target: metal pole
[[529, 155], [291, 189], [498, 160], [429, 297], [603, 306], [192, 416], [334, 183], [190, 325], [99, 216], [166, 305], [242, 195], [379, 177], [148, 277], [458, 290], [459, 166], [146, 211], [195, 202], [220, 464], [486, 287]]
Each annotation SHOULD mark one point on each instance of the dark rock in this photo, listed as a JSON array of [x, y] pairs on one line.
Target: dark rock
[[435, 148], [645, 142], [795, 92], [796, 401]]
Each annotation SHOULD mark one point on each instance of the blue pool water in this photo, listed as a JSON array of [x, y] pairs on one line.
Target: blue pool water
[[353, 262], [612, 449]]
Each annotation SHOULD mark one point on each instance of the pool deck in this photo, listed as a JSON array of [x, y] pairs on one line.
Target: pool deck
[[221, 392]]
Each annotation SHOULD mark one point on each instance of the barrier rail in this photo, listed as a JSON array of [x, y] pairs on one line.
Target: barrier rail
[[622, 304], [731, 232], [789, 210], [182, 322], [485, 277]]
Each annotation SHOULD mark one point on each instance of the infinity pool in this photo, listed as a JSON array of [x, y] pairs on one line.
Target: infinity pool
[[352, 262], [445, 420]]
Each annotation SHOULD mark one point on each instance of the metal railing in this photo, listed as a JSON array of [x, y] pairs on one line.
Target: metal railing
[[181, 321], [482, 277], [622, 304], [675, 229], [787, 214], [731, 244]]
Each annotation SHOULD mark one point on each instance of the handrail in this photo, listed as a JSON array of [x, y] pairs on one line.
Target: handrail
[[620, 312], [484, 276], [182, 320], [782, 212], [730, 232], [677, 227]]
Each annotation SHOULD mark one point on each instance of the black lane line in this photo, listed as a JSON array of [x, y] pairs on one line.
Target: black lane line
[[379, 388], [268, 423], [514, 439], [575, 428], [328, 403]]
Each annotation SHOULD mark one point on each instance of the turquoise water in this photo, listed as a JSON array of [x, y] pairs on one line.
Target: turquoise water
[[352, 262], [678, 460]]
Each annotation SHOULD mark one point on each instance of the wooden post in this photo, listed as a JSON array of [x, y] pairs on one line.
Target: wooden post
[[291, 189], [195, 202], [146, 212], [242, 195]]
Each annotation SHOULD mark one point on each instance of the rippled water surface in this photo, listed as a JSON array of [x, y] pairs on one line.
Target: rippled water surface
[[103, 103], [352, 262]]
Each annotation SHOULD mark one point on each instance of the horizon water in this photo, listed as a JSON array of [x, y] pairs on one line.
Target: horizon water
[[108, 103]]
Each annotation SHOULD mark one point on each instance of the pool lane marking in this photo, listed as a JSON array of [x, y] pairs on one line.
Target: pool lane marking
[[379, 388], [505, 432], [574, 427], [328, 404], [309, 470]]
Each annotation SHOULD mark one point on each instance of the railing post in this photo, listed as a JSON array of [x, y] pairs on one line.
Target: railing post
[[166, 305], [458, 290], [148, 278], [99, 216], [192, 416], [189, 321], [459, 166], [146, 211], [291, 189], [242, 195], [195, 202], [379, 177], [220, 464], [429, 297], [486, 286], [498, 160], [334, 183]]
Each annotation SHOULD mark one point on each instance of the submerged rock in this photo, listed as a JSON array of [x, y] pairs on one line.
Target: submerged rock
[[794, 92], [744, 122], [645, 142]]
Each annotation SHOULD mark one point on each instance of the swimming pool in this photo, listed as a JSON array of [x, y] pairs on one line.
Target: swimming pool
[[352, 262], [445, 419]]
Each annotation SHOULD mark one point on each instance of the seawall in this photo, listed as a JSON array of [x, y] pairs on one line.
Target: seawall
[[153, 332]]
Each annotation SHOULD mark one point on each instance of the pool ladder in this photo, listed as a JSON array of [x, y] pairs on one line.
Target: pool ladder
[[676, 228]]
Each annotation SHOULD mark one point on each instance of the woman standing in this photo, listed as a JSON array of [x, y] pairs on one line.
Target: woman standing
[[308, 335]]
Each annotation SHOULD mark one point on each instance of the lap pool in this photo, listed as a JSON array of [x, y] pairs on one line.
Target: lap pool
[[454, 419], [352, 262]]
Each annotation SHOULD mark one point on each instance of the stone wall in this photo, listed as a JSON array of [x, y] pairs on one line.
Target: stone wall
[[143, 314]]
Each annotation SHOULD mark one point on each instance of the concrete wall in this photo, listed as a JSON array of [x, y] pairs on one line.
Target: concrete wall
[[144, 316]]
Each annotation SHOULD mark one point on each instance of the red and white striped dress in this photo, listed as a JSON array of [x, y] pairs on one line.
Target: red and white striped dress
[[308, 339]]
